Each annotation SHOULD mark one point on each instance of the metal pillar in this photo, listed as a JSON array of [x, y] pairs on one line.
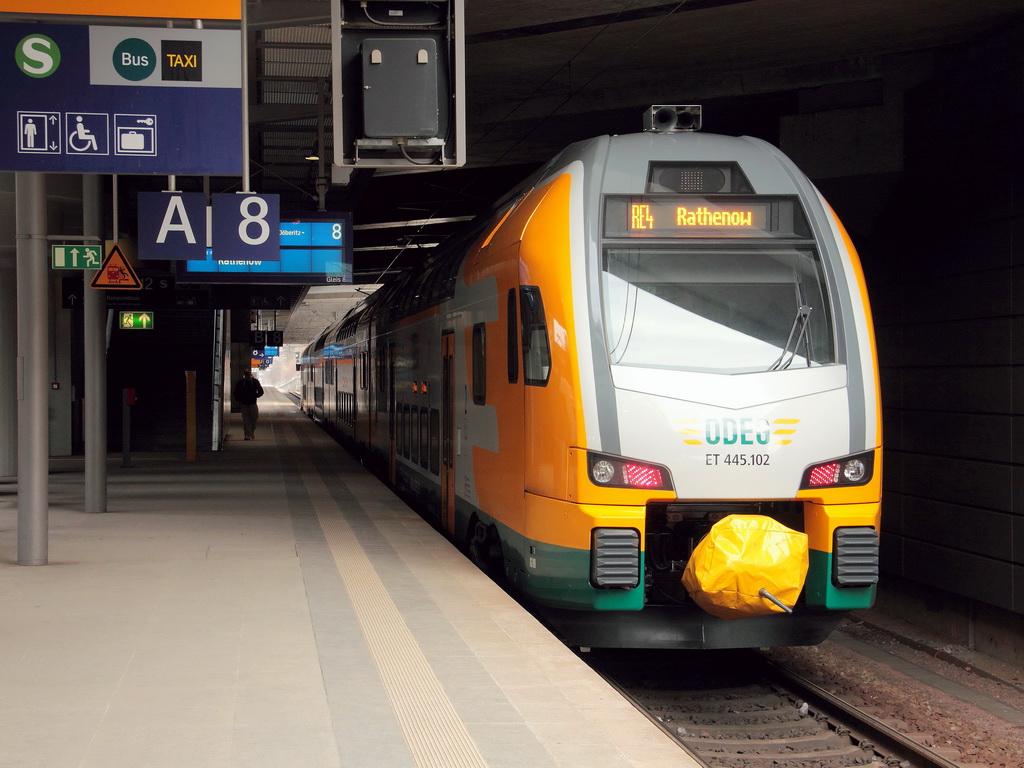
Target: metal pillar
[[8, 332], [95, 352], [33, 389]]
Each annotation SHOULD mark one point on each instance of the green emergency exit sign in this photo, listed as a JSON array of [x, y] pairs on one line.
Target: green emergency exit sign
[[137, 321], [75, 256]]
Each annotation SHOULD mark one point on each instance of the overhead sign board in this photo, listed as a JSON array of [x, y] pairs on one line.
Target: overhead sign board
[[172, 225], [160, 9], [317, 252], [157, 291], [244, 226], [80, 99]]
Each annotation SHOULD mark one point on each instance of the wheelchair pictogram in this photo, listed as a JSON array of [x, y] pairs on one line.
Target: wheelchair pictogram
[[84, 137], [87, 133]]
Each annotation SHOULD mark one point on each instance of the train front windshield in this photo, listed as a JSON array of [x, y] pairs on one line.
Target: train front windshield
[[760, 307]]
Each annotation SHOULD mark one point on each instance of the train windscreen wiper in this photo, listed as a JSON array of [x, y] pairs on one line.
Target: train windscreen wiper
[[797, 333]]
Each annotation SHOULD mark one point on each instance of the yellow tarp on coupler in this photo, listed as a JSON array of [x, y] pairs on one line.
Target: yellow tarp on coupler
[[742, 558]]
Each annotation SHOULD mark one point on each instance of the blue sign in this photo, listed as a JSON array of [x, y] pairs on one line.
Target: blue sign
[[245, 227], [317, 252], [172, 225], [80, 99]]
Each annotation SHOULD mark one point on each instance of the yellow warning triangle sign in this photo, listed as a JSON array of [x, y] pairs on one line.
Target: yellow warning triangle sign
[[116, 272]]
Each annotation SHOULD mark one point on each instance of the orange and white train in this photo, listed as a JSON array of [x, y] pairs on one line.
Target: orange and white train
[[653, 332]]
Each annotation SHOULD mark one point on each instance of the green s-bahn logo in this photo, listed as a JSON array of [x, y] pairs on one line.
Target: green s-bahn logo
[[37, 56]]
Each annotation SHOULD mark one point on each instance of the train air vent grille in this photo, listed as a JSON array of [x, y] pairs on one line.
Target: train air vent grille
[[855, 557], [615, 558]]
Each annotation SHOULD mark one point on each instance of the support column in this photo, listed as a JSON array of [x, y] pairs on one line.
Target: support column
[[8, 331], [33, 389], [94, 321]]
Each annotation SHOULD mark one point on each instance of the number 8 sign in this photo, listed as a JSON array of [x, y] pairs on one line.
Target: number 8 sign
[[246, 227]]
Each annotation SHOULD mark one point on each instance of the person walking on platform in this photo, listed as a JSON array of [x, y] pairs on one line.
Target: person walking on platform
[[247, 391]]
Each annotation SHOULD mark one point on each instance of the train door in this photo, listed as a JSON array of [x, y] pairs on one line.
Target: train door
[[318, 391], [448, 431], [392, 415]]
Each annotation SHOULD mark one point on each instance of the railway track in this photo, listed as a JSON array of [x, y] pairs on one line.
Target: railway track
[[739, 710]]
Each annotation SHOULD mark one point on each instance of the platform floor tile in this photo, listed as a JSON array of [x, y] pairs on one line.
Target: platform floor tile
[[274, 606]]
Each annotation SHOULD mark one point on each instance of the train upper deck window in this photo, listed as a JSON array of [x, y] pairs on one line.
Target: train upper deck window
[[698, 179], [480, 364], [717, 310]]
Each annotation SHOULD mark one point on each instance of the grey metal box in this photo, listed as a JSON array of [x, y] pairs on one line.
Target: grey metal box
[[400, 88]]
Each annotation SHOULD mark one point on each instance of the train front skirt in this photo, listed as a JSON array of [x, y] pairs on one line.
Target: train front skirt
[[664, 626]]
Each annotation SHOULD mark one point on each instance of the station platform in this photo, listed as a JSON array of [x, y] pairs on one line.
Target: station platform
[[274, 605]]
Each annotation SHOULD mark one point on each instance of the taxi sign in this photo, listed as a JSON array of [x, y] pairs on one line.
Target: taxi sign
[[116, 273]]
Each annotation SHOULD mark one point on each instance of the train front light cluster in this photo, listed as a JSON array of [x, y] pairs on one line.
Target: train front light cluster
[[852, 470], [616, 472]]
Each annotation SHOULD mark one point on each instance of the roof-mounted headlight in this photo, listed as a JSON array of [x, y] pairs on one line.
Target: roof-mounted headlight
[[666, 118]]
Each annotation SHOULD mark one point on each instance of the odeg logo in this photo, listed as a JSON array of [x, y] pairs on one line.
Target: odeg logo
[[37, 56], [134, 59]]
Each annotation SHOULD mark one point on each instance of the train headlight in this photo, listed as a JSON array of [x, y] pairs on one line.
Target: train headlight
[[852, 470], [616, 472], [603, 472]]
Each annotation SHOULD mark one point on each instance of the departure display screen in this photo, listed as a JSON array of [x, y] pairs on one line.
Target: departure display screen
[[689, 216], [313, 252]]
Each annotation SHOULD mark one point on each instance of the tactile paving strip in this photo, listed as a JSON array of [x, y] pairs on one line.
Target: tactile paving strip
[[436, 735]]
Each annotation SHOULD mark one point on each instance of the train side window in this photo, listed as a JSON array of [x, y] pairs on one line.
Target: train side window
[[513, 339], [414, 434], [536, 352], [479, 364], [399, 429], [424, 438], [435, 441], [406, 430]]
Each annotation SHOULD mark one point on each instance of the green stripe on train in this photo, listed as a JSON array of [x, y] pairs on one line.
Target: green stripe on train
[[560, 576], [820, 592]]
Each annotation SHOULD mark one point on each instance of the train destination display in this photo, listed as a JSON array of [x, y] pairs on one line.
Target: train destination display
[[675, 216]]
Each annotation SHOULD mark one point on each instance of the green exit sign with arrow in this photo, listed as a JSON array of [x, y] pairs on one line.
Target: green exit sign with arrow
[[75, 256], [137, 321]]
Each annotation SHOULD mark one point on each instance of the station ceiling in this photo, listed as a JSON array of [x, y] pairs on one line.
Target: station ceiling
[[542, 74]]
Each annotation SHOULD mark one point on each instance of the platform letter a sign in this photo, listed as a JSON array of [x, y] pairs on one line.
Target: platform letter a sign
[[176, 219], [172, 225]]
